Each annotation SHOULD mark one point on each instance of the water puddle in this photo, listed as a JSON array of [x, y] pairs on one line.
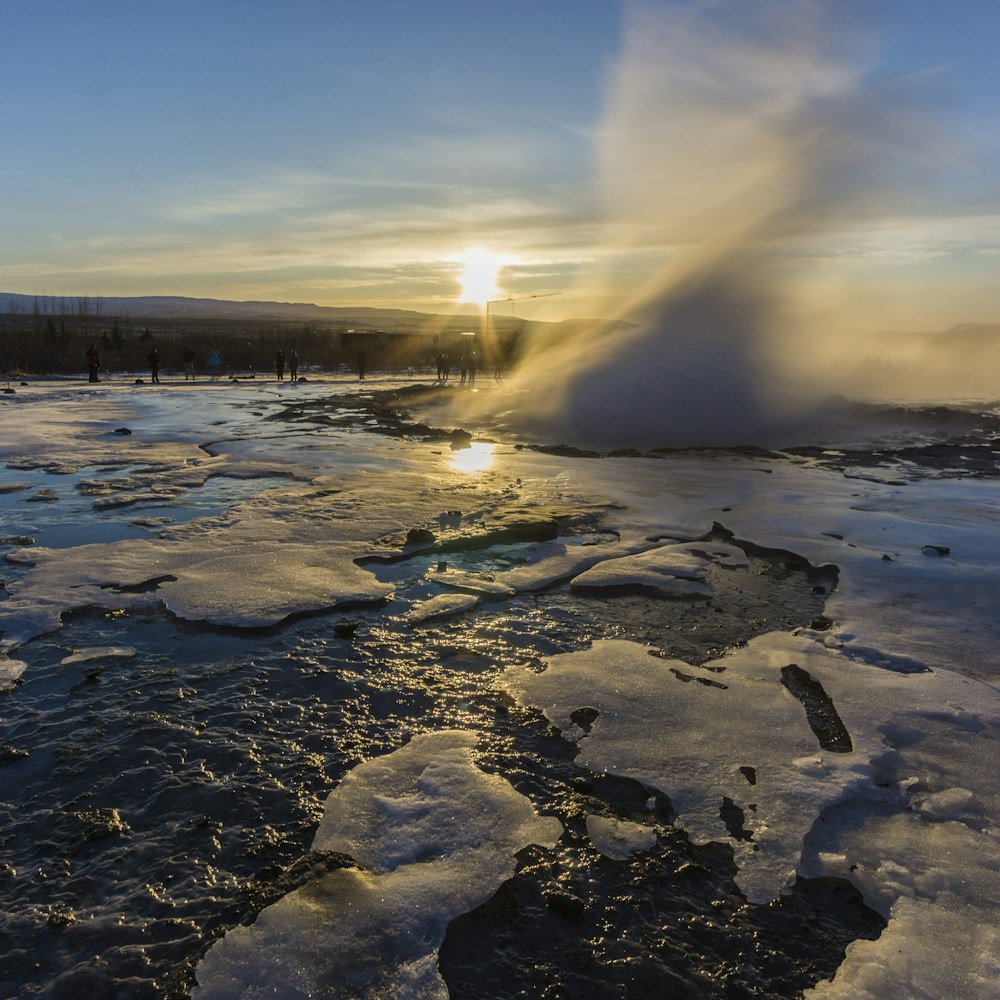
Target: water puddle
[[64, 515]]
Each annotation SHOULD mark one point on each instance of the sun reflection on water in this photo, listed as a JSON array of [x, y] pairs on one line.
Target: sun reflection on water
[[478, 457]]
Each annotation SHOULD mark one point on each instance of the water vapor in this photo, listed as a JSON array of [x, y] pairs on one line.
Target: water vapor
[[738, 136]]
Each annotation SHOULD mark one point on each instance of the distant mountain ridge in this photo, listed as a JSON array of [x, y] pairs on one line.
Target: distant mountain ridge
[[163, 306]]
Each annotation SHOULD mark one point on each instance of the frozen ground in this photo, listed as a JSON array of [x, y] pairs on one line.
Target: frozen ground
[[292, 684]]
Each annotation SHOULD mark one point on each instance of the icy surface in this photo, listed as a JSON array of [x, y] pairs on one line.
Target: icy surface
[[907, 655], [671, 568], [434, 836], [99, 653], [618, 838], [687, 731], [732, 734], [10, 671], [440, 606], [928, 950]]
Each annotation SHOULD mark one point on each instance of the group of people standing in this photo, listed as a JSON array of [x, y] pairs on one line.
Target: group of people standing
[[293, 365], [214, 363], [467, 364]]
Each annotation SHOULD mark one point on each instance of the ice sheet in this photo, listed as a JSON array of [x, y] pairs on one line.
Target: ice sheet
[[923, 749], [440, 606], [909, 815], [619, 838], [435, 836]]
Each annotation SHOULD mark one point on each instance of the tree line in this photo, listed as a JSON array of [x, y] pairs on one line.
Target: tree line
[[52, 337]]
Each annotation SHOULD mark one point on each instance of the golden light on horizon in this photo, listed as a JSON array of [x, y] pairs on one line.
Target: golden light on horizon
[[479, 276]]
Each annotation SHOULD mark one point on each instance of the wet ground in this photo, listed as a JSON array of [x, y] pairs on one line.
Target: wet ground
[[151, 802], [155, 798]]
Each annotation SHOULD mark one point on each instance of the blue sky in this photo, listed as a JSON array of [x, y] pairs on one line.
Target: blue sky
[[350, 153]]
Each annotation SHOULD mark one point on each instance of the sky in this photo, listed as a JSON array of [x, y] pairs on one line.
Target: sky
[[363, 154]]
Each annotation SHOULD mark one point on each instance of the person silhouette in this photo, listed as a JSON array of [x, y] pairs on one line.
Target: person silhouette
[[93, 363]]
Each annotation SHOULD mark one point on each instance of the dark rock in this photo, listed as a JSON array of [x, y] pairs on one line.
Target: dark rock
[[584, 718], [97, 824], [121, 430], [139, 381], [420, 536], [821, 714], [345, 630], [9, 754], [935, 550], [564, 450], [18, 540], [460, 439]]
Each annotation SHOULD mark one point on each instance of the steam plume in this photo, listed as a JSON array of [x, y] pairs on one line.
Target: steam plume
[[738, 134]]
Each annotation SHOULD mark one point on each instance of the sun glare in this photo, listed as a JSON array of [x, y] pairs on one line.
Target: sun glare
[[479, 276], [478, 457]]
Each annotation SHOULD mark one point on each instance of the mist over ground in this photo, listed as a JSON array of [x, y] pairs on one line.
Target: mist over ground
[[743, 141]]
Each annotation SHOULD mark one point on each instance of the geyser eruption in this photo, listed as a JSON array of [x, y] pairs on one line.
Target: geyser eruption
[[738, 135]]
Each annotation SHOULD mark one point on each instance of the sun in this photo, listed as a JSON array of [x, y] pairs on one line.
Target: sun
[[479, 276]]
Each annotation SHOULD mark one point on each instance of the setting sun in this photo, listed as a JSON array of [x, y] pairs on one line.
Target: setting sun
[[479, 276]]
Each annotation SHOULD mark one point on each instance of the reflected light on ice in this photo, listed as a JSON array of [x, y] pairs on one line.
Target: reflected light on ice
[[477, 457]]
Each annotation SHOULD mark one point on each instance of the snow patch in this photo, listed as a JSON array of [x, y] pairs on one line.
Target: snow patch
[[437, 836], [98, 653], [619, 838], [439, 607], [678, 568]]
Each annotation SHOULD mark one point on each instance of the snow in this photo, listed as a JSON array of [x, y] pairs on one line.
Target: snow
[[619, 838], [671, 568], [926, 951], [98, 653], [434, 835], [690, 740], [475, 583], [10, 671], [440, 606], [924, 746]]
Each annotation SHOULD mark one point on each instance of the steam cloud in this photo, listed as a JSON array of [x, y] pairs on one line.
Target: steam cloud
[[737, 135]]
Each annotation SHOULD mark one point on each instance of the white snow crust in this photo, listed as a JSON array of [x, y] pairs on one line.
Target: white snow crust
[[435, 837], [92, 653], [440, 606], [671, 568], [619, 838], [10, 671], [940, 845]]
